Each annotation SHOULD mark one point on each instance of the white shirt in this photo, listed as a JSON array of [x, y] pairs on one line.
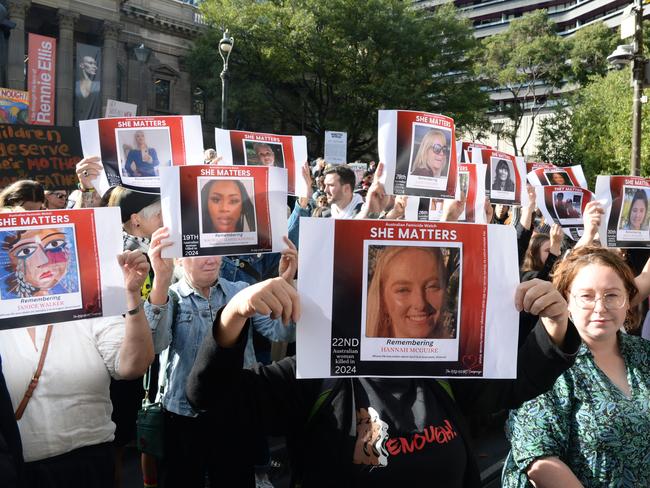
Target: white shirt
[[71, 406]]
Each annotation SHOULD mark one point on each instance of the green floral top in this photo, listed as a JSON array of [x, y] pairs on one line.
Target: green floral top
[[586, 421]]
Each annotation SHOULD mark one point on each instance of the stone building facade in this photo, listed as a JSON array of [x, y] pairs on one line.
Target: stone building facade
[[160, 85]]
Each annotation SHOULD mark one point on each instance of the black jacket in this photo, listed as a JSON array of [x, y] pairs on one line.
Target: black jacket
[[321, 440]]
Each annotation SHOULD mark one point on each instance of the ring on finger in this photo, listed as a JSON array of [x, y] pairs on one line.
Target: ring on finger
[[85, 172]]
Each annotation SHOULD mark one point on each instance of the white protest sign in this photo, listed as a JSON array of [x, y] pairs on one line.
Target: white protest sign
[[336, 147], [351, 324], [120, 109]]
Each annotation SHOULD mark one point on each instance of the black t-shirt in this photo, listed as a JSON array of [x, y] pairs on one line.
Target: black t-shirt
[[404, 436]]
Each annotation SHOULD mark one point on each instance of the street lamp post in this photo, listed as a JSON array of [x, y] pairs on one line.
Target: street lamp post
[[623, 55], [497, 127], [142, 54], [225, 47], [638, 71]]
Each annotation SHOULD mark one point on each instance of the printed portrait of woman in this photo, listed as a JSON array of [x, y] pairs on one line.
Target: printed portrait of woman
[[226, 207], [502, 180], [407, 295], [559, 179], [432, 157], [38, 262], [638, 212], [142, 160]]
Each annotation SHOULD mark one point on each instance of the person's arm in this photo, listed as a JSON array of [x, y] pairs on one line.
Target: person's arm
[[270, 397], [157, 307], [643, 285], [593, 213], [551, 472], [523, 240], [376, 198], [548, 351], [526, 219], [399, 208], [136, 352]]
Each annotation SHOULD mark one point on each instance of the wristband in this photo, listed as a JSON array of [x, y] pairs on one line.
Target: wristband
[[134, 311], [84, 190]]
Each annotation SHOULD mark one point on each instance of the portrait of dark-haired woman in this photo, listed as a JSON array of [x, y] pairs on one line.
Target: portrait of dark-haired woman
[[227, 207], [502, 178]]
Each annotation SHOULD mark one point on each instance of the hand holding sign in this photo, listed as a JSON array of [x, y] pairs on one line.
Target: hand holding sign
[[289, 261], [135, 269], [539, 297], [592, 218], [88, 169], [163, 268]]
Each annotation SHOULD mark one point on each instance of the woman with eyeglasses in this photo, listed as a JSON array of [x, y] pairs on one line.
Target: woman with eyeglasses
[[56, 199], [432, 158], [593, 428]]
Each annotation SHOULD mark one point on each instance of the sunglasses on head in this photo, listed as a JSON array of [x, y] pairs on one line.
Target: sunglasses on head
[[437, 148]]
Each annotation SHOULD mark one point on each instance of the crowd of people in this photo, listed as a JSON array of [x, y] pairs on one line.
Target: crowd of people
[[69, 393]]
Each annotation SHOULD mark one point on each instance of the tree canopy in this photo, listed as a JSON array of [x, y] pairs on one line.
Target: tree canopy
[[307, 66], [527, 61]]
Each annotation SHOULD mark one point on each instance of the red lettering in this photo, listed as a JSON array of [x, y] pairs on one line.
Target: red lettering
[[419, 441], [406, 445], [393, 447]]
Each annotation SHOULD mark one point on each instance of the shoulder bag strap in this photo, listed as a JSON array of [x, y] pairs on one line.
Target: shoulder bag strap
[[37, 375]]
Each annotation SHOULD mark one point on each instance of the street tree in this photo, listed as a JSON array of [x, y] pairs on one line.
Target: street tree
[[307, 66], [528, 62], [601, 125], [588, 51]]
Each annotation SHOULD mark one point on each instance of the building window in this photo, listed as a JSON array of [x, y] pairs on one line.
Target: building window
[[162, 91], [198, 101]]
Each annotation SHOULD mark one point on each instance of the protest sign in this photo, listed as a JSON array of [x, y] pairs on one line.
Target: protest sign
[[359, 170], [470, 152], [45, 154], [626, 220], [14, 106], [420, 208], [55, 270], [418, 150], [41, 78], [336, 147], [470, 190], [120, 109], [564, 205], [505, 178], [133, 149], [224, 210], [461, 279], [569, 176], [532, 166], [237, 147]]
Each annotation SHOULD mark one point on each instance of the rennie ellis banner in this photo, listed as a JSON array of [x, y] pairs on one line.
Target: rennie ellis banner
[[41, 79]]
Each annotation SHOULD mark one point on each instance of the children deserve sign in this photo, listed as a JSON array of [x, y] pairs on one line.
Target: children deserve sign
[[54, 270], [224, 210], [626, 220], [411, 299], [134, 149], [236, 147], [418, 150]]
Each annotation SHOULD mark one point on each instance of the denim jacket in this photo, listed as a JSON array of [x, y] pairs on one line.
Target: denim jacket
[[183, 322]]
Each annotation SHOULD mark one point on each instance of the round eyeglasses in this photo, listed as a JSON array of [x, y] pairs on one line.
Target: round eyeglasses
[[611, 301]]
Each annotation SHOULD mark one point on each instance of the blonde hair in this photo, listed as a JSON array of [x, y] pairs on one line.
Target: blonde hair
[[378, 322], [420, 161]]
